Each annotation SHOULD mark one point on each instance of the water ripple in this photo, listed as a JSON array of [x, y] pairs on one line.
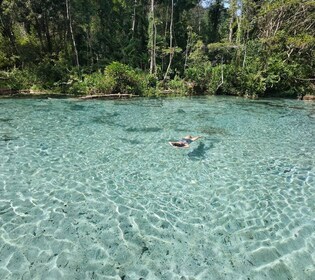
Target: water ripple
[[94, 191]]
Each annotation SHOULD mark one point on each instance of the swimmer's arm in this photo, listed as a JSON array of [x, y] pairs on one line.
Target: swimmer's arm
[[195, 138]]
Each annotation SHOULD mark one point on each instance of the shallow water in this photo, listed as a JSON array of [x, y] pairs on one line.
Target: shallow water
[[92, 190]]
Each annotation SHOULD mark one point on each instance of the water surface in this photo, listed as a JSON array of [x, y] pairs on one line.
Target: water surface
[[92, 190]]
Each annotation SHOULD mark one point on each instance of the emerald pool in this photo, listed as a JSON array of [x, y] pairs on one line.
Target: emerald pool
[[93, 190]]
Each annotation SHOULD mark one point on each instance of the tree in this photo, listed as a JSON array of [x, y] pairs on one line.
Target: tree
[[152, 39], [171, 49], [216, 14], [76, 55]]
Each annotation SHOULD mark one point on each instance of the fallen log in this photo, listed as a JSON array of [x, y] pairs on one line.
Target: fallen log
[[108, 96], [309, 97], [5, 91]]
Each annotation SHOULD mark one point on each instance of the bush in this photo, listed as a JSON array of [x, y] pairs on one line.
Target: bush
[[18, 79], [50, 72], [216, 80], [199, 77], [117, 78], [177, 86], [95, 83], [123, 79]]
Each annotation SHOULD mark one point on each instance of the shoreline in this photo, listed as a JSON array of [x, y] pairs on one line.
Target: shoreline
[[9, 93]]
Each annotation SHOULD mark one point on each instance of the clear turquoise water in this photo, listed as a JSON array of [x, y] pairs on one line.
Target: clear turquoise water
[[93, 190]]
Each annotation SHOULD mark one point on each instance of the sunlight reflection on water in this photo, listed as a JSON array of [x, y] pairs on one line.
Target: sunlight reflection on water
[[92, 189]]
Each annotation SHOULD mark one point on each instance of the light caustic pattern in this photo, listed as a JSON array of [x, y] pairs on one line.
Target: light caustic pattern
[[93, 190]]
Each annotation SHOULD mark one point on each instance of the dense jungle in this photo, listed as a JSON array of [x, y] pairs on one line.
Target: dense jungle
[[251, 48]]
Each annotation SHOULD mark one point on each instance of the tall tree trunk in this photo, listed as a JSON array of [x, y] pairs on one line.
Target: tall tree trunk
[[47, 33], [89, 46], [233, 7], [76, 55], [188, 46], [7, 31], [199, 17], [39, 34], [134, 18], [152, 39], [171, 42]]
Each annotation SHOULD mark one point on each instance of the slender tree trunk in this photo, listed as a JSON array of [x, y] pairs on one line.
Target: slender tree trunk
[[76, 55], [233, 6], [134, 18], [89, 46], [245, 48], [199, 18], [239, 30], [166, 22], [231, 29], [188, 46], [222, 75], [47, 33], [186, 54], [152, 39], [171, 43], [244, 58], [7, 32], [39, 34]]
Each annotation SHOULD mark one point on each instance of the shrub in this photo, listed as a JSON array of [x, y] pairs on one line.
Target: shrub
[[216, 80], [50, 72], [123, 79], [199, 76], [96, 83], [18, 79], [178, 86], [117, 78]]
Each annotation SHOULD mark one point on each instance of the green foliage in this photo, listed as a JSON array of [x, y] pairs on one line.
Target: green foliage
[[199, 69], [18, 79], [216, 18], [117, 78], [251, 81], [95, 83], [270, 49], [216, 79], [199, 77], [51, 72], [123, 79], [177, 86]]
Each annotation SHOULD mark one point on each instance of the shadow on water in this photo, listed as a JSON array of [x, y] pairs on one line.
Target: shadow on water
[[206, 114], [181, 130], [145, 129], [214, 130], [130, 141], [77, 107], [7, 138], [108, 119], [144, 102], [100, 120], [151, 103], [199, 152], [271, 103], [5, 120], [42, 108], [311, 115]]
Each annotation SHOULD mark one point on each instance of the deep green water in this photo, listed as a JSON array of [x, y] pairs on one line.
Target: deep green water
[[93, 190]]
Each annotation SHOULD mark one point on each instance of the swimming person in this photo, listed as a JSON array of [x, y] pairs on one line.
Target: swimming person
[[184, 142]]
